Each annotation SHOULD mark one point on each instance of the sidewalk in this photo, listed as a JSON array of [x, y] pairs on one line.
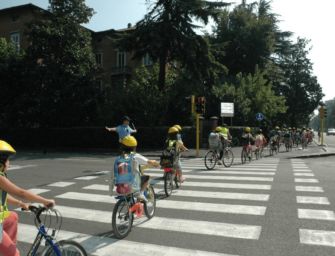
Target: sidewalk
[[313, 150]]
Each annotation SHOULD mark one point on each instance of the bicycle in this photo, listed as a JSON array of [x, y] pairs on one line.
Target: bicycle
[[171, 176], [288, 144], [246, 153], [53, 248], [213, 156], [127, 206], [171, 180], [273, 145]]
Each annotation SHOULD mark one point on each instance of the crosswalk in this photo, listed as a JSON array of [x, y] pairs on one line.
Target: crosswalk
[[225, 204], [232, 192], [312, 206]]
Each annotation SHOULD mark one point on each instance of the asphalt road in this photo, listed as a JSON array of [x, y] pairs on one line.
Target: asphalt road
[[272, 206]]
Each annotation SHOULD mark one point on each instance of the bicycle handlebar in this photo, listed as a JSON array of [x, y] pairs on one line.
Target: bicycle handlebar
[[37, 211]]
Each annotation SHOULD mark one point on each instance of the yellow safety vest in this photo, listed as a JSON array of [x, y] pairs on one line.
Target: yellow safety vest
[[4, 213], [224, 132]]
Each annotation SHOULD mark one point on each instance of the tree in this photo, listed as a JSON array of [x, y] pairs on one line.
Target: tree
[[250, 36], [17, 101], [167, 34], [251, 94], [63, 65], [300, 87]]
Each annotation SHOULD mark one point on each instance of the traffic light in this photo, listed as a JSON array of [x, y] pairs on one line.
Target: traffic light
[[321, 112], [200, 105], [325, 112]]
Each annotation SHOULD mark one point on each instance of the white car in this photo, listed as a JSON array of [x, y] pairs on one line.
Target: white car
[[331, 131]]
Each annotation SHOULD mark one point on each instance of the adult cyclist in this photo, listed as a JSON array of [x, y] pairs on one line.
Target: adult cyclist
[[9, 194]]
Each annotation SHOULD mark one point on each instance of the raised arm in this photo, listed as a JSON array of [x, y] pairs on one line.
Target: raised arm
[[111, 129], [14, 190]]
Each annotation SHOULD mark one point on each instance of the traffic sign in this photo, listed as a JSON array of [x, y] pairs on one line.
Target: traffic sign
[[227, 109], [259, 116]]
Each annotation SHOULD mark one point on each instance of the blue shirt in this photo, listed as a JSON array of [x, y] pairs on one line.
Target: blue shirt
[[123, 131]]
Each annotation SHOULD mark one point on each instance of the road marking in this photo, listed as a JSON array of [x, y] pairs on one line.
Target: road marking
[[38, 190], [316, 214], [301, 180], [304, 174], [203, 177], [222, 185], [312, 200], [87, 197], [61, 184], [86, 178], [81, 159], [301, 170], [221, 172], [103, 246], [317, 237], [18, 167], [309, 189], [204, 228], [190, 193], [208, 207]]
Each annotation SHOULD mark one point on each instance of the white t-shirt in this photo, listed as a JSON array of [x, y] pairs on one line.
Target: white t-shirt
[[141, 160]]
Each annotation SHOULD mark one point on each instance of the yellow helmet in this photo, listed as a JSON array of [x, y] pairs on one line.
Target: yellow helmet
[[178, 127], [218, 129], [173, 129], [247, 129], [129, 141], [6, 149]]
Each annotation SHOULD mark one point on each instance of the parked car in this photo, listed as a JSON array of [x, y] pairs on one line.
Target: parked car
[[331, 131]]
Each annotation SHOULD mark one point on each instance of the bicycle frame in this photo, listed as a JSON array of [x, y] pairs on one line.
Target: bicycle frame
[[42, 234]]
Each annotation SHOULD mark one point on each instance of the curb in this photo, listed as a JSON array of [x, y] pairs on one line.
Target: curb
[[314, 155]]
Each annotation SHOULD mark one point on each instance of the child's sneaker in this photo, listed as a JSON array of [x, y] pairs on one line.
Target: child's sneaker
[[142, 197]]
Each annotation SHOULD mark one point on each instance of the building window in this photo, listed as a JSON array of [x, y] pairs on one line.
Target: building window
[[15, 39], [121, 59], [147, 61], [98, 59]]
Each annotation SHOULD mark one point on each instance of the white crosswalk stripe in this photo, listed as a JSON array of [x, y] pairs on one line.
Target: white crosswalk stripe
[[105, 246], [311, 236], [242, 190]]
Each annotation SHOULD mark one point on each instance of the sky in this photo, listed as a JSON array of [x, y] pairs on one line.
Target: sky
[[305, 18]]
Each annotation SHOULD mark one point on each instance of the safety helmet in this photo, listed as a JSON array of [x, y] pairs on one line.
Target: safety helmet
[[218, 129], [5, 150], [129, 141], [173, 129], [247, 129], [125, 118], [277, 128], [178, 127]]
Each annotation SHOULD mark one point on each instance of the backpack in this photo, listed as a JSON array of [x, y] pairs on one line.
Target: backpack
[[214, 141], [169, 154], [125, 176]]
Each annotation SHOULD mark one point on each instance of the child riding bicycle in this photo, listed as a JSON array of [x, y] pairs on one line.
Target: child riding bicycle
[[127, 176], [9, 219]]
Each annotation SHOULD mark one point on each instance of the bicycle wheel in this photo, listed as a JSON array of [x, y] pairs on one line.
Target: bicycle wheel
[[150, 205], [66, 247], [177, 181], [228, 157], [168, 183], [257, 154], [122, 219], [210, 160], [244, 156]]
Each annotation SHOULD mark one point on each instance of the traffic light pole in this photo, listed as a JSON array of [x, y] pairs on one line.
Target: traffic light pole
[[197, 116], [322, 128]]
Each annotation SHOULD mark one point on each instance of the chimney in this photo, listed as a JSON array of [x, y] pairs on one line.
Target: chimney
[[129, 25]]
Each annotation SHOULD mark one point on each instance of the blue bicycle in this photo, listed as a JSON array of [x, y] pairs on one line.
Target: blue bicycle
[[53, 248]]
